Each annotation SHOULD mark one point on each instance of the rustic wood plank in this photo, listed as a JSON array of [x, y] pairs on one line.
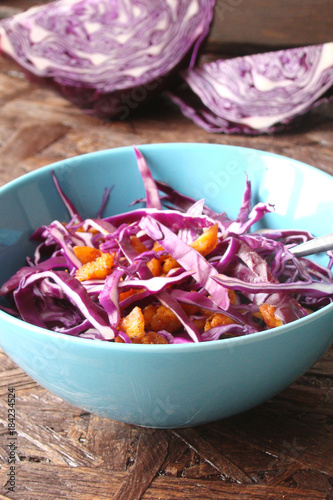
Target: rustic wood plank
[[112, 441], [98, 483], [199, 490], [29, 140], [207, 451], [5, 362], [16, 378], [151, 454], [308, 398], [175, 462], [257, 23], [283, 475], [11, 87], [313, 479], [59, 449], [281, 437]]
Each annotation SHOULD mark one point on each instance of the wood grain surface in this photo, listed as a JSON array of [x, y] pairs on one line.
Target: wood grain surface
[[282, 449], [261, 23]]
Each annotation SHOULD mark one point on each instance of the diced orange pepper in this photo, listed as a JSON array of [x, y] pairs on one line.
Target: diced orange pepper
[[165, 319], [155, 267], [129, 293], [168, 264], [157, 247], [99, 268], [86, 254], [218, 319], [232, 296], [137, 244], [148, 314], [154, 264], [154, 338], [190, 308], [268, 313], [133, 324], [207, 241], [199, 323], [119, 340], [160, 318]]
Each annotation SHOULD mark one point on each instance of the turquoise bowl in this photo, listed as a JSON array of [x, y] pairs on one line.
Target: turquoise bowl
[[166, 385]]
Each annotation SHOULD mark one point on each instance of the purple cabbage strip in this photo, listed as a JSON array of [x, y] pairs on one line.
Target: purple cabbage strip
[[24, 272], [105, 199], [256, 214], [287, 308], [173, 218], [109, 297], [200, 300], [222, 260], [152, 196], [76, 330], [181, 201], [61, 236], [174, 339], [124, 337], [245, 207], [168, 301], [66, 201], [306, 288], [77, 295], [156, 284], [227, 330], [189, 258]]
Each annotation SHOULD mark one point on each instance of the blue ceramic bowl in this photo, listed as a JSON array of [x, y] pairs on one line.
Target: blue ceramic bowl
[[166, 385]]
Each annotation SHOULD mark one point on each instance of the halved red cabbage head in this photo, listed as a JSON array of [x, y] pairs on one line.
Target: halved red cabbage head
[[258, 93], [107, 57]]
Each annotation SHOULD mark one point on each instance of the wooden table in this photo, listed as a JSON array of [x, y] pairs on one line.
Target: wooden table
[[281, 449]]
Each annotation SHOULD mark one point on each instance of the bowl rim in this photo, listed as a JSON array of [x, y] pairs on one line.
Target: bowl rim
[[160, 348], [156, 145]]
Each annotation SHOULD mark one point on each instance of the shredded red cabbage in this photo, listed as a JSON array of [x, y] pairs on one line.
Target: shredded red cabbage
[[180, 274]]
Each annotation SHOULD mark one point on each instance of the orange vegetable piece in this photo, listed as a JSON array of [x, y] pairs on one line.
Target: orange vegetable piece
[[129, 293], [189, 308], [268, 313], [157, 247], [207, 241], [165, 319], [119, 340], [204, 244], [137, 244], [232, 296], [155, 267], [86, 254], [154, 264], [154, 338], [133, 324], [99, 268], [168, 264], [148, 314], [199, 323], [218, 319]]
